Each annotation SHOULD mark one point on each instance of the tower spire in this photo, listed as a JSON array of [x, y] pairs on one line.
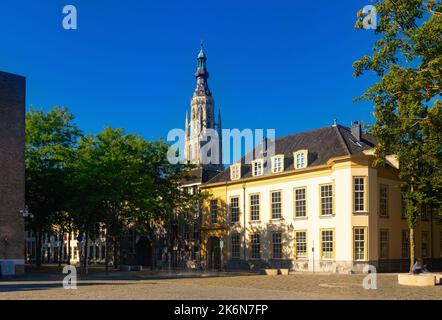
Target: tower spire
[[187, 125]]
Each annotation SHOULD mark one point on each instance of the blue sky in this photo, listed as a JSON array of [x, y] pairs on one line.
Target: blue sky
[[274, 64]]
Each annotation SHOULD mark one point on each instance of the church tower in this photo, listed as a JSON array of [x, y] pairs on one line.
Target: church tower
[[202, 117]]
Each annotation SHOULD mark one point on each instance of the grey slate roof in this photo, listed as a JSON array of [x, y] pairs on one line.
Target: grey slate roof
[[199, 175], [322, 144]]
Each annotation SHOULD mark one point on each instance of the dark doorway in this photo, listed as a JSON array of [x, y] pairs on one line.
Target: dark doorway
[[143, 250], [214, 253]]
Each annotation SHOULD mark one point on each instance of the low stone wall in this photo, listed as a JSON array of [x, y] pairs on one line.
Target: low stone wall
[[345, 267], [418, 280]]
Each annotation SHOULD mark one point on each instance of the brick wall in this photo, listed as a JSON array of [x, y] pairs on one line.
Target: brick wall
[[12, 170]]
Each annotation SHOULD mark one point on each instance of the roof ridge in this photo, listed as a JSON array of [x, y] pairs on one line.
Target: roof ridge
[[341, 138], [303, 132]]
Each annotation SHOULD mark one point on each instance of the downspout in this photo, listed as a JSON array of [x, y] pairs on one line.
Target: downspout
[[244, 221]]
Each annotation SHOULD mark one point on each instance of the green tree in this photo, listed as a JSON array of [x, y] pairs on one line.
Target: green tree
[[125, 182], [50, 141], [407, 58]]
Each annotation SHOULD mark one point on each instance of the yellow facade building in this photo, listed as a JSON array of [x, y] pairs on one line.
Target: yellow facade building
[[316, 204]]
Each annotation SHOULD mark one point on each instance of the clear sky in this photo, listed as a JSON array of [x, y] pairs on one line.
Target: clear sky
[[276, 64]]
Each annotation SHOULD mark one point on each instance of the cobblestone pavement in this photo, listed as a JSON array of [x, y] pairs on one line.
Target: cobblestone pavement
[[248, 287]]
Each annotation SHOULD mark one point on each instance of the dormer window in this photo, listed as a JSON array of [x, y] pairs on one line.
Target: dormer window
[[300, 159], [258, 167], [235, 172], [277, 163]]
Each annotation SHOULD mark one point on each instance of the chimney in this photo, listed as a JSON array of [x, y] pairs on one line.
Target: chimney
[[356, 130]]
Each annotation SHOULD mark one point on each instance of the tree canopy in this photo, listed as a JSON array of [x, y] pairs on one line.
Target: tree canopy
[[407, 58]]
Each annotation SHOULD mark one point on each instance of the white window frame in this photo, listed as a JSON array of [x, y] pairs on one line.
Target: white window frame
[[280, 167], [301, 235], [304, 163], [359, 242], [255, 207], [235, 171], [258, 167], [358, 191]]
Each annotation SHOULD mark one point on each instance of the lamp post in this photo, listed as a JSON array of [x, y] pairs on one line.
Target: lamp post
[[26, 215]]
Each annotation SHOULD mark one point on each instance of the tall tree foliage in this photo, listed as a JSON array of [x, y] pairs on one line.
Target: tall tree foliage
[[407, 57], [50, 142], [112, 180]]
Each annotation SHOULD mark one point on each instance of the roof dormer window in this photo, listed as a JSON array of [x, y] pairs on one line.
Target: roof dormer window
[[235, 171], [277, 163], [258, 167], [300, 159]]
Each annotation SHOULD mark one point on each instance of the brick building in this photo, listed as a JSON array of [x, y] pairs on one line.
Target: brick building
[[12, 173]]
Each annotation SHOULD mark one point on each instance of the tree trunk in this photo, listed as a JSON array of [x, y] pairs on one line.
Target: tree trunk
[[86, 246], [115, 252], [411, 249], [38, 249], [60, 247], [106, 258]]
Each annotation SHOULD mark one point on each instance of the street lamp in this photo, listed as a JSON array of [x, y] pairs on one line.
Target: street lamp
[[26, 215]]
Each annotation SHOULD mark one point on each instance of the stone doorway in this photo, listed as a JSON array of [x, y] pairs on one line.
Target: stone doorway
[[214, 253]]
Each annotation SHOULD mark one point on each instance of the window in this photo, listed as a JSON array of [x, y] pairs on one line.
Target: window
[[301, 244], [327, 200], [300, 158], [359, 244], [234, 209], [327, 244], [276, 204], [254, 207], [256, 246], [235, 245], [424, 244], [300, 203], [97, 252], [258, 167], [235, 171], [383, 200], [383, 244], [196, 233], [359, 192], [278, 164], [425, 212], [195, 253], [276, 245], [405, 244], [213, 211]]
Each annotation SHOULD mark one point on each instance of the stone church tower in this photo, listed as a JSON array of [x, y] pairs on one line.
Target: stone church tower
[[202, 118]]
